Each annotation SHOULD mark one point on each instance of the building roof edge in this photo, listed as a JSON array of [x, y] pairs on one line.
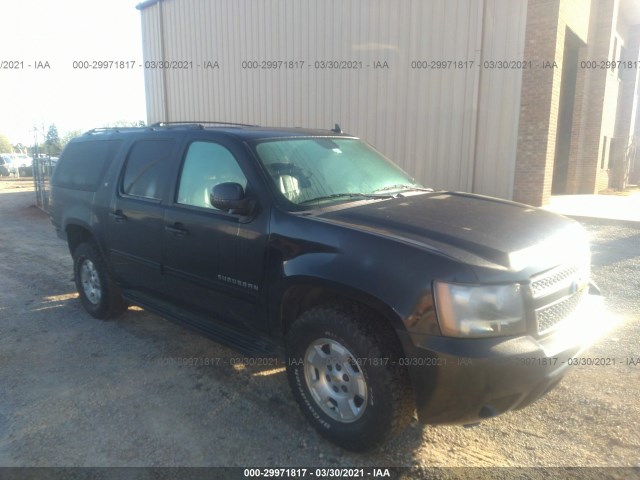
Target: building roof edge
[[148, 3]]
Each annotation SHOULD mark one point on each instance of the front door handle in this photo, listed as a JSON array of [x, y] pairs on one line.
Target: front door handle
[[118, 216], [177, 229]]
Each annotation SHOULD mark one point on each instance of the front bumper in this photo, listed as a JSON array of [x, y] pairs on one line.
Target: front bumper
[[467, 380]]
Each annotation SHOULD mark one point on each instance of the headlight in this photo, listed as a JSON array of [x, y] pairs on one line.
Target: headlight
[[473, 311]]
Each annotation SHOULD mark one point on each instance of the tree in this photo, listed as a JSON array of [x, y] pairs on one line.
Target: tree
[[125, 123], [5, 145], [67, 137], [52, 141], [19, 148]]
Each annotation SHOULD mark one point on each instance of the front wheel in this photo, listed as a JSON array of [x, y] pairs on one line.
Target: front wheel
[[100, 296], [343, 371]]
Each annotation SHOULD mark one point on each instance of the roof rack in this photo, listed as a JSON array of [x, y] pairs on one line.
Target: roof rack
[[200, 124], [93, 131]]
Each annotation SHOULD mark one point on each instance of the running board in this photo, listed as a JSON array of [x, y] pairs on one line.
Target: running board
[[256, 345]]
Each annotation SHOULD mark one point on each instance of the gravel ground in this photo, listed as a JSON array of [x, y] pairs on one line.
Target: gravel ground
[[75, 391]]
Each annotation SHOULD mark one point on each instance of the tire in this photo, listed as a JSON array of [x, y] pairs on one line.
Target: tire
[[357, 405], [100, 296]]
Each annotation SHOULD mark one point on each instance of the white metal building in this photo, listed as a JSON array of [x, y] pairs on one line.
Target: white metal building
[[436, 85]]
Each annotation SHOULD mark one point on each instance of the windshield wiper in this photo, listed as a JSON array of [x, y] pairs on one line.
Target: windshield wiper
[[347, 195], [404, 187]]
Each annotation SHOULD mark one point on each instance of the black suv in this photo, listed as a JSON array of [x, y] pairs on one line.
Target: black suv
[[383, 297]]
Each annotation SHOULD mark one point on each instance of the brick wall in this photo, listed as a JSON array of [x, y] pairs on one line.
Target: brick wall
[[547, 23], [538, 105], [603, 99], [598, 102]]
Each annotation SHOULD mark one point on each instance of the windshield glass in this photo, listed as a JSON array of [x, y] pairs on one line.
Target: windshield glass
[[311, 171]]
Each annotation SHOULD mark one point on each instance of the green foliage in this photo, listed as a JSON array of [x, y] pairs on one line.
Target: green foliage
[[67, 137], [125, 123], [52, 141], [5, 145]]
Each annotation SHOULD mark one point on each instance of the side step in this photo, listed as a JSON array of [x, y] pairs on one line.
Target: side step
[[256, 345]]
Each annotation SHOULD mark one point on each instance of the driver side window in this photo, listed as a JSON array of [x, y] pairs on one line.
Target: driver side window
[[206, 165]]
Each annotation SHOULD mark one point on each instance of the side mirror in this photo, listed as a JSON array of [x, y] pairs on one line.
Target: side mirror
[[229, 197]]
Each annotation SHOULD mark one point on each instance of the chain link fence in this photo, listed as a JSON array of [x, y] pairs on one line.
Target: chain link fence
[[42, 170]]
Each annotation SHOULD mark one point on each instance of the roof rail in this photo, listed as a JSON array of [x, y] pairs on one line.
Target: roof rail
[[200, 124], [93, 131]]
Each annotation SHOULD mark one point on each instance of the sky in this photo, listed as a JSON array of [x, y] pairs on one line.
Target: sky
[[63, 32]]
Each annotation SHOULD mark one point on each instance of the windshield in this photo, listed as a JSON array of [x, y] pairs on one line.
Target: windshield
[[311, 171]]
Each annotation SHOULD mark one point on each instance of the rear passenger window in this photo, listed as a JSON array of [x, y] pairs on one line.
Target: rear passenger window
[[147, 168], [83, 164], [206, 165]]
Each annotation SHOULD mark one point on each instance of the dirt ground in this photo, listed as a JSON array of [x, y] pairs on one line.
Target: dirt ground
[[75, 391]]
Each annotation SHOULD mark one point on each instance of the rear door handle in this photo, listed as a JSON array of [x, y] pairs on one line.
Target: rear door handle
[[177, 229], [118, 216]]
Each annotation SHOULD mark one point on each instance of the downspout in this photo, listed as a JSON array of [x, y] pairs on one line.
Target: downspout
[[165, 95], [480, 41]]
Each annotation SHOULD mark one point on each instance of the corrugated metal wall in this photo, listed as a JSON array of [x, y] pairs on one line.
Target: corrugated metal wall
[[453, 127], [153, 78], [499, 99]]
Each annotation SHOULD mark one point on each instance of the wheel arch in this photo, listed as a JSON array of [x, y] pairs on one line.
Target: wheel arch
[[77, 233], [305, 294]]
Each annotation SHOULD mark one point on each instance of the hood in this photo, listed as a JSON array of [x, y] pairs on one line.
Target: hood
[[476, 229]]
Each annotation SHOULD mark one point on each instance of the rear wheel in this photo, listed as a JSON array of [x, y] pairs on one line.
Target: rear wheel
[[343, 370], [100, 296]]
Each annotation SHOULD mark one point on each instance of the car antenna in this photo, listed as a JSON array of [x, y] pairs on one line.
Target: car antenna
[[337, 129]]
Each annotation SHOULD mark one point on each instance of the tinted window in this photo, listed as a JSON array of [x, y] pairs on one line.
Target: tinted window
[[83, 164], [205, 166], [147, 168]]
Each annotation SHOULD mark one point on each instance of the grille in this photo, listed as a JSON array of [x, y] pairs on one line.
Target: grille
[[549, 316], [549, 282]]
